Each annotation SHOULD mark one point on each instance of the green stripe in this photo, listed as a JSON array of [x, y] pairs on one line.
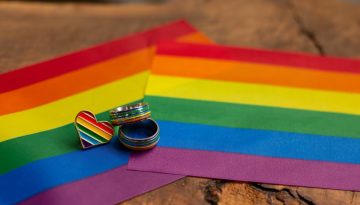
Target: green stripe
[[23, 150], [254, 117], [91, 133]]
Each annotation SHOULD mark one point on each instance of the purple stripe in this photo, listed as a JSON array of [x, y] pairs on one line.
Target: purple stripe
[[107, 188], [85, 143], [249, 168]]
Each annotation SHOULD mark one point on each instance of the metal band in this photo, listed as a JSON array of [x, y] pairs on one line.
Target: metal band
[[130, 113], [140, 135], [127, 108]]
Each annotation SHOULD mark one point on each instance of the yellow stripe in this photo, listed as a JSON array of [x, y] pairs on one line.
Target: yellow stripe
[[94, 129], [255, 94], [63, 111]]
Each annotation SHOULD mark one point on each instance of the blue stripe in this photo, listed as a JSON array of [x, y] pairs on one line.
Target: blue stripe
[[259, 142], [41, 175], [88, 138]]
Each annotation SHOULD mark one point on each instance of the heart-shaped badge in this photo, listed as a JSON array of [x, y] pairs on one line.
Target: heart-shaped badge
[[91, 132]]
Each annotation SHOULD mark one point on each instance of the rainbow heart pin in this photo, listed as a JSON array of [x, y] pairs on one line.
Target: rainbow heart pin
[[91, 132]]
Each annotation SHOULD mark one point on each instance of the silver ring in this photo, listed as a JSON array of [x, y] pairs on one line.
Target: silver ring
[[130, 113], [131, 138]]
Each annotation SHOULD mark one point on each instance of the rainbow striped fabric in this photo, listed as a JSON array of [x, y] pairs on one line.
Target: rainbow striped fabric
[[40, 157], [255, 115]]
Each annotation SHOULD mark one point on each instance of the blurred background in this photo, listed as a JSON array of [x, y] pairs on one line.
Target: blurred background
[[32, 31], [35, 29]]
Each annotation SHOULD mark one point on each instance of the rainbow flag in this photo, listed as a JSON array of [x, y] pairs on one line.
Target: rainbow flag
[[255, 115], [40, 157]]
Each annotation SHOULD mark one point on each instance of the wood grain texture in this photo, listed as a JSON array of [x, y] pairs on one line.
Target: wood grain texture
[[32, 32]]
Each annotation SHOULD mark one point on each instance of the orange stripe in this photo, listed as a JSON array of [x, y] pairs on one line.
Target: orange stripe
[[255, 73], [74, 82], [197, 37], [77, 81]]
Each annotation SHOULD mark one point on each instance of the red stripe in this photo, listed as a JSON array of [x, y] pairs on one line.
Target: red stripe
[[260, 56], [93, 121], [38, 72]]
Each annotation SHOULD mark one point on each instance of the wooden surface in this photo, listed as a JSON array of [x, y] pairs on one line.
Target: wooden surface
[[32, 32]]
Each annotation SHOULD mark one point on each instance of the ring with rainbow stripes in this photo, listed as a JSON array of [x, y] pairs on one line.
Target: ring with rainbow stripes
[[137, 131], [130, 113]]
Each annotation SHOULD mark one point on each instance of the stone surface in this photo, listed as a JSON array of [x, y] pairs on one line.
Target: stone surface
[[32, 32]]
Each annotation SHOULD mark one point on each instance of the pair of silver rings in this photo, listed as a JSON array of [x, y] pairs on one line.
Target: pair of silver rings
[[137, 131]]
